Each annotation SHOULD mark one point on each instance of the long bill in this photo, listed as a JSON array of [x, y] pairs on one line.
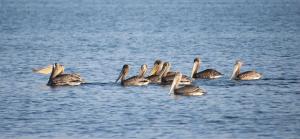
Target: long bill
[[175, 82], [235, 72], [143, 71], [166, 68], [121, 75], [194, 69], [154, 69], [52, 75]]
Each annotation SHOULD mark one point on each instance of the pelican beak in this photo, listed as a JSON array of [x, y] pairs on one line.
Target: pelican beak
[[194, 69], [44, 70], [143, 70], [57, 70], [172, 87], [235, 69], [123, 73], [154, 69], [120, 75], [175, 82]]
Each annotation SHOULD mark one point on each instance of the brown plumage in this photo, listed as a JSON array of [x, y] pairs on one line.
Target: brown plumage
[[156, 78], [157, 67], [135, 80], [205, 74], [168, 79], [187, 90], [248, 75], [57, 78]]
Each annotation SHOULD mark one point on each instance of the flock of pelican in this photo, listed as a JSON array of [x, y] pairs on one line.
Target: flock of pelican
[[160, 74]]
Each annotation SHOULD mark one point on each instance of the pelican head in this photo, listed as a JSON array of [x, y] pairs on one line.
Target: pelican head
[[236, 69], [196, 66], [123, 73], [176, 81], [157, 67], [165, 69], [143, 70], [56, 70]]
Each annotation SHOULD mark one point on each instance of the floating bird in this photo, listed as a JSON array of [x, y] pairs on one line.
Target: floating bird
[[187, 90], [205, 74], [248, 75], [157, 77], [157, 67], [167, 78], [58, 78], [135, 80]]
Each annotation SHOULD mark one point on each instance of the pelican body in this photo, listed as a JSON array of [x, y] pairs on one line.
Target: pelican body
[[248, 75], [187, 90], [58, 78], [138, 80], [205, 74], [168, 78]]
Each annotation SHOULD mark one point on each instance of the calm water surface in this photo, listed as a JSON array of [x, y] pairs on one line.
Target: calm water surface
[[95, 38]]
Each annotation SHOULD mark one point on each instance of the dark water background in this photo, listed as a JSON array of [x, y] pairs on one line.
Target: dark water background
[[96, 37]]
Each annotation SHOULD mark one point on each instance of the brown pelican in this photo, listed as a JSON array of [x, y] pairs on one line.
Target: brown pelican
[[58, 78], [156, 68], [143, 70], [135, 80], [168, 78], [248, 75], [206, 74], [163, 72], [187, 90]]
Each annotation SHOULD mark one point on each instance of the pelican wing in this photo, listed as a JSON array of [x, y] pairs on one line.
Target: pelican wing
[[189, 90], [169, 79], [154, 78], [67, 79], [135, 81], [171, 73], [208, 74], [249, 75]]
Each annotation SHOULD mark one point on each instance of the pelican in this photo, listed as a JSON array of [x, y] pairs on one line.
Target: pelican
[[157, 78], [135, 80], [156, 68], [156, 72], [168, 78], [187, 90], [248, 75], [206, 74], [58, 78]]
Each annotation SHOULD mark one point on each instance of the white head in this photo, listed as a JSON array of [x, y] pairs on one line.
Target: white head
[[143, 70]]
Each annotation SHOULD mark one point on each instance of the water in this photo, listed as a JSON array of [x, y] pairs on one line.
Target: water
[[95, 38]]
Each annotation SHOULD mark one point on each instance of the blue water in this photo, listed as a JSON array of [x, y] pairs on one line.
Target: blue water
[[95, 38]]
